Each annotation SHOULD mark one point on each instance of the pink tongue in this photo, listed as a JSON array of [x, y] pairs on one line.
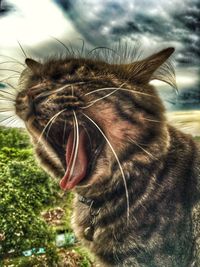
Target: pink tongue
[[74, 175]]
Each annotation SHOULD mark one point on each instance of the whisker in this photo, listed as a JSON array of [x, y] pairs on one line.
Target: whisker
[[47, 133], [11, 70], [85, 129], [5, 119], [6, 99], [83, 46], [7, 96], [6, 110], [6, 92], [152, 120], [12, 86], [14, 76], [121, 89], [6, 62], [64, 45], [52, 118], [66, 86], [11, 122], [103, 47], [72, 49], [76, 145], [72, 90], [22, 49], [73, 148], [74, 142], [15, 60], [117, 159], [57, 90], [147, 152], [95, 101], [50, 125], [64, 131]]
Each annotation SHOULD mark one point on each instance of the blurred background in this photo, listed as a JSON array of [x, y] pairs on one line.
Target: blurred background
[[35, 215], [151, 23]]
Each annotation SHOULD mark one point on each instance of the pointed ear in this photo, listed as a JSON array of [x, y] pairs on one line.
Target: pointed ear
[[32, 64], [142, 71]]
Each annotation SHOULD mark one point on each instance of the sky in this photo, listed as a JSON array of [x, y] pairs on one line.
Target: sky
[[154, 24]]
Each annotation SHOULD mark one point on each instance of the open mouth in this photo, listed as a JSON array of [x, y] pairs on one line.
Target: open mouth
[[78, 150]]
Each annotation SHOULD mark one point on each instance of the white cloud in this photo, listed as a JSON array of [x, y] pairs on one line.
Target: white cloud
[[33, 22]]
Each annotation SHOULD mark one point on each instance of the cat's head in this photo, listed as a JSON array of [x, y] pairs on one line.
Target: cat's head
[[85, 114]]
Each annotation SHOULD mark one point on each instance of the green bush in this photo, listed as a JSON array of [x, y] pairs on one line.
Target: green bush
[[24, 191], [14, 138]]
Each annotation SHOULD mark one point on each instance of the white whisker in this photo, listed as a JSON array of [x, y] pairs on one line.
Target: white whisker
[[14, 76], [52, 118], [7, 119], [6, 92], [121, 89], [117, 159], [72, 90], [147, 152], [115, 89], [58, 90], [11, 70], [76, 146], [5, 100], [73, 146], [12, 122], [7, 111], [64, 131], [13, 87], [152, 120], [93, 102], [89, 138]]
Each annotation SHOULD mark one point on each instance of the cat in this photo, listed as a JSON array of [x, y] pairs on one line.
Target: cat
[[100, 128]]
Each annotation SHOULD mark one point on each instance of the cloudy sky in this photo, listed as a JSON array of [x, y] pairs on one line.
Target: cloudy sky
[[155, 24]]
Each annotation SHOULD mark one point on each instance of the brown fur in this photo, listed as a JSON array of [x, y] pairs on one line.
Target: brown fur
[[158, 224]]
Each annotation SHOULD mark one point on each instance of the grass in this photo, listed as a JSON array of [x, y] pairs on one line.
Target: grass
[[197, 138]]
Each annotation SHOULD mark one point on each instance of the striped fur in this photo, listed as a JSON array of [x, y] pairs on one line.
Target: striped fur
[[144, 185]]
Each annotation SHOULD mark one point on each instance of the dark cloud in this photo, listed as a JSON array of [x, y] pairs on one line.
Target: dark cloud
[[65, 4], [165, 23], [129, 27], [189, 21], [5, 8], [187, 99]]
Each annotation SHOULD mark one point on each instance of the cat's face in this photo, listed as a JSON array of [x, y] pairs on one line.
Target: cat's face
[[83, 114]]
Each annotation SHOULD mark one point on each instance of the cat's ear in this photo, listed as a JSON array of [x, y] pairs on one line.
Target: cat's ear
[[155, 66], [32, 64]]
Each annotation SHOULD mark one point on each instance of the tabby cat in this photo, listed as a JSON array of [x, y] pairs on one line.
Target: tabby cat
[[100, 128]]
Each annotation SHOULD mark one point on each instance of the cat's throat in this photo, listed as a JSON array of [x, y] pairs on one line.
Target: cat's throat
[[76, 160]]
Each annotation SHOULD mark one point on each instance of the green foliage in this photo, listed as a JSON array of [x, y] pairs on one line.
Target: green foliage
[[14, 138], [24, 191], [68, 211], [197, 138], [86, 257], [45, 260]]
